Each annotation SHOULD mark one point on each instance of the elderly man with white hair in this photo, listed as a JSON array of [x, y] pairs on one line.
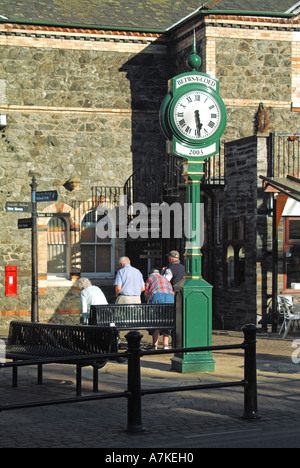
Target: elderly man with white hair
[[90, 295], [129, 283]]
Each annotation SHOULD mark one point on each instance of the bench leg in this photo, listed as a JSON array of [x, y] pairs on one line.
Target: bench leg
[[40, 374], [14, 376], [95, 379], [78, 380]]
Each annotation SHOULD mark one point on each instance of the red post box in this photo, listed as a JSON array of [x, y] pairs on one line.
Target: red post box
[[11, 280]]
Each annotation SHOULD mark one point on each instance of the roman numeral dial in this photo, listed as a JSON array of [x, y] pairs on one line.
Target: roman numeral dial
[[196, 115]]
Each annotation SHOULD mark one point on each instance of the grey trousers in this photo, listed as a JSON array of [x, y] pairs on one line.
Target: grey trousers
[[128, 300]]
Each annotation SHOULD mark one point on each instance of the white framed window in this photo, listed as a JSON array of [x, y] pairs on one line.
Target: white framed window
[[97, 254], [58, 251]]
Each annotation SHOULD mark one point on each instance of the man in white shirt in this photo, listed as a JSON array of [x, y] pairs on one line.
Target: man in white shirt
[[90, 295]]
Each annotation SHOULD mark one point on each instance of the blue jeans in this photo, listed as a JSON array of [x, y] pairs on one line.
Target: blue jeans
[[161, 298]]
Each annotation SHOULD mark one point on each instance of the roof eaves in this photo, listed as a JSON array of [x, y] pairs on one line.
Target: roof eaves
[[205, 12], [264, 14], [4, 20]]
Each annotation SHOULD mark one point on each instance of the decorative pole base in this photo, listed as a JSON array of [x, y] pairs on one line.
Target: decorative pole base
[[193, 325]]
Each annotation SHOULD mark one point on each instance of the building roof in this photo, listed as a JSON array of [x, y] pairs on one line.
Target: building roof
[[279, 6], [289, 185], [157, 15]]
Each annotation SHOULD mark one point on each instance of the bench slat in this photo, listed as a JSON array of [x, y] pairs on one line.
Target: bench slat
[[137, 316], [36, 339], [27, 341]]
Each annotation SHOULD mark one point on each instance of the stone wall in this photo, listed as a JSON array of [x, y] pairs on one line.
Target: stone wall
[[255, 70], [71, 113]]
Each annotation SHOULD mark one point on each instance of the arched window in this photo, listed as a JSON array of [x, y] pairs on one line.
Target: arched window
[[230, 267], [97, 254], [234, 252], [57, 247], [241, 272]]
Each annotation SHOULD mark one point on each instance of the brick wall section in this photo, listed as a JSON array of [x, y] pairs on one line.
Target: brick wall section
[[237, 306]]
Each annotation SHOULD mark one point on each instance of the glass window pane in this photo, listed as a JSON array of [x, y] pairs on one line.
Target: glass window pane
[[87, 258], [103, 260], [57, 240], [88, 227], [293, 267], [294, 229], [57, 259], [228, 230], [96, 257], [239, 230], [230, 267], [241, 269], [103, 228], [88, 234]]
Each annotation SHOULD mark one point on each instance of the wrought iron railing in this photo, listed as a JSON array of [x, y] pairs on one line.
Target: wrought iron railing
[[215, 168], [154, 182], [284, 155], [109, 195]]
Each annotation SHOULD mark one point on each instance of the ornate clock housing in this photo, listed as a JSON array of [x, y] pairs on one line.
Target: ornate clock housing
[[193, 115]]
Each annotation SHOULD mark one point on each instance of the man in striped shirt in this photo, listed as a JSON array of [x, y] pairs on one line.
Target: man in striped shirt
[[158, 290]]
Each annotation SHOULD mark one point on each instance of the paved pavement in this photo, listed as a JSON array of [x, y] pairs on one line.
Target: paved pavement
[[173, 421]]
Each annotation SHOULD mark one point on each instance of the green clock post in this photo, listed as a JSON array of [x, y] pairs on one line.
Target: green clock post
[[193, 118]]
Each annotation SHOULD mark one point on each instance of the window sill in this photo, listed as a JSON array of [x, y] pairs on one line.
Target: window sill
[[290, 291], [97, 276], [60, 282]]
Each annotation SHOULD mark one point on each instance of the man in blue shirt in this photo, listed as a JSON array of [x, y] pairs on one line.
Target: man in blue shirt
[[129, 283]]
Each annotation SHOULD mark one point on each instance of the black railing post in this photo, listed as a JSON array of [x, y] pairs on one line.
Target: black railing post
[[134, 408], [34, 258], [250, 395]]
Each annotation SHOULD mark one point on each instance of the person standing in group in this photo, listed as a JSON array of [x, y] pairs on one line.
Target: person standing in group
[[129, 283], [89, 295], [158, 290], [175, 271]]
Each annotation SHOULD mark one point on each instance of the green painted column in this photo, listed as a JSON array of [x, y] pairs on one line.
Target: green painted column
[[193, 295]]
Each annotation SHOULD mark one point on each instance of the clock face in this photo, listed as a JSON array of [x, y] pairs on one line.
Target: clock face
[[197, 115]]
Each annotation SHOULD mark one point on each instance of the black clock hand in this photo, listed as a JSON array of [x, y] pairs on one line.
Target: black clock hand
[[199, 125]]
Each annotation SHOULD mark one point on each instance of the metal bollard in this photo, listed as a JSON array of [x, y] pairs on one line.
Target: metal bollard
[[250, 392], [134, 408]]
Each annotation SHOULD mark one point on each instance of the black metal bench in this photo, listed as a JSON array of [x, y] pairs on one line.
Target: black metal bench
[[29, 341], [134, 317]]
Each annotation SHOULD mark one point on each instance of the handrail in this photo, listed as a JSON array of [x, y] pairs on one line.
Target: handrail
[[135, 392]]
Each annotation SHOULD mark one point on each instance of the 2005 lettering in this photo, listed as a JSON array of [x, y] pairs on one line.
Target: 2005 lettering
[[196, 152]]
